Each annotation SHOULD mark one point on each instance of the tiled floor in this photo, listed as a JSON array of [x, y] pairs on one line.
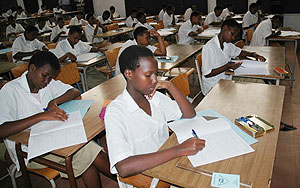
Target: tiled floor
[[286, 173]]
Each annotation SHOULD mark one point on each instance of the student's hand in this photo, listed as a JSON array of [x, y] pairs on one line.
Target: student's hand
[[159, 85], [154, 33], [52, 105], [191, 146], [55, 114], [71, 56], [61, 33], [232, 65], [260, 58], [200, 30]]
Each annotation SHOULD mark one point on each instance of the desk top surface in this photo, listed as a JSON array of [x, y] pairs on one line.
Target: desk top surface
[[117, 32]]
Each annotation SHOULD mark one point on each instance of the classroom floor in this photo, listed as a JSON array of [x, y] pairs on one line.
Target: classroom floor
[[286, 172]]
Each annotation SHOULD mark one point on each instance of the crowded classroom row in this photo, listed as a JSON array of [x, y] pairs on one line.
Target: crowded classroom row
[[143, 75]]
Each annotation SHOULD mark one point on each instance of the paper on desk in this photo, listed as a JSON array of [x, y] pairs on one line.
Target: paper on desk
[[74, 105], [210, 32], [250, 67], [237, 16], [289, 33], [167, 29], [5, 50], [221, 142], [26, 58], [165, 33], [225, 180], [87, 56], [47, 136], [172, 60]]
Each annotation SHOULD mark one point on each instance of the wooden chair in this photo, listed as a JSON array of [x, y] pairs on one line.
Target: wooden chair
[[9, 56], [142, 181], [249, 34], [52, 45], [19, 70], [159, 25], [198, 62], [111, 56], [112, 27], [182, 83], [157, 44], [240, 44], [116, 21]]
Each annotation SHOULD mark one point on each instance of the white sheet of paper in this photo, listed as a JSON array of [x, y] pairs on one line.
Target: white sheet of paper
[[210, 32], [47, 136], [250, 67], [87, 56], [289, 33], [164, 33], [219, 137]]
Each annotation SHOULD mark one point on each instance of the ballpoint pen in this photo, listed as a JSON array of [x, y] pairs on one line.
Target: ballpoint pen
[[194, 133]]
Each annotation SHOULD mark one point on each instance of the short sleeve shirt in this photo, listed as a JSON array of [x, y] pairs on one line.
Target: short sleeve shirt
[[89, 32], [64, 47], [167, 19], [249, 19], [56, 30], [263, 30], [211, 17], [184, 30], [139, 24]]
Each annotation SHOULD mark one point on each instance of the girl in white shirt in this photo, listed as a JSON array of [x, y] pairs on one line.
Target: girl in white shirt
[[93, 28], [214, 18], [162, 12], [141, 17], [60, 31], [51, 22], [13, 29], [169, 19], [113, 13], [41, 26], [131, 20]]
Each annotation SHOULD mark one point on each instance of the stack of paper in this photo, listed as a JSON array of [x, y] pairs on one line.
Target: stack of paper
[[210, 32], [250, 67], [289, 33], [87, 56]]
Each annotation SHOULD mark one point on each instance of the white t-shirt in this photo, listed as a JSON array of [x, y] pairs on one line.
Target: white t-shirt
[[108, 21], [75, 21], [51, 25], [211, 17], [130, 131], [161, 15], [16, 30], [45, 28], [214, 57], [263, 30], [169, 19], [115, 15], [187, 14], [130, 21], [139, 24], [184, 30], [56, 10], [225, 13], [18, 103], [64, 47], [89, 32], [249, 19], [22, 15], [23, 45], [41, 11], [126, 45], [56, 30]]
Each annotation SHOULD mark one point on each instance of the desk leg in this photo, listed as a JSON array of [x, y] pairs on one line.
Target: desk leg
[[85, 79], [23, 167], [277, 82], [70, 172], [294, 63]]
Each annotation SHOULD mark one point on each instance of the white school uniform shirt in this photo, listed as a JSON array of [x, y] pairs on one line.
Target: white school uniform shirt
[[184, 30], [89, 32], [45, 28], [225, 13], [187, 14], [115, 15], [263, 30], [130, 21], [17, 29], [7, 13], [41, 11], [169, 19], [130, 131], [211, 17], [139, 24], [75, 21], [64, 47], [102, 21], [126, 45], [214, 57], [161, 15], [56, 10], [23, 45], [249, 19], [22, 15], [56, 30], [17, 103], [51, 25]]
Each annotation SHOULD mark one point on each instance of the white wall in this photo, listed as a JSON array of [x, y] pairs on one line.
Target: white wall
[[292, 20], [211, 4], [101, 5], [21, 3]]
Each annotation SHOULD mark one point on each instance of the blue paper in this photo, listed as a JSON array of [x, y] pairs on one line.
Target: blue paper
[[5, 50], [210, 112], [225, 180], [74, 105], [172, 60]]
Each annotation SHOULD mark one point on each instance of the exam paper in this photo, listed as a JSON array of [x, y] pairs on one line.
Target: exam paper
[[74, 105], [250, 67], [87, 56], [225, 180], [289, 33], [164, 33], [210, 32]]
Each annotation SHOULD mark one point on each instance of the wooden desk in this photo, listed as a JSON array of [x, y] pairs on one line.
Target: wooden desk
[[92, 123], [233, 100], [165, 32], [114, 33]]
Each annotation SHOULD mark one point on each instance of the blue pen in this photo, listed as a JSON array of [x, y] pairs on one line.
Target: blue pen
[[195, 134], [46, 109]]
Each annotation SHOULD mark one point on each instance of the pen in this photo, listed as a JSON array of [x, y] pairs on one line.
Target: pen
[[194, 134], [46, 109]]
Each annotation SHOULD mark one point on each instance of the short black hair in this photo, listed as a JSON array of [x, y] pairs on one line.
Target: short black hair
[[30, 29], [134, 10], [59, 19], [112, 8], [139, 31], [278, 17], [164, 6], [10, 18], [88, 16], [43, 58], [80, 13], [106, 12], [218, 7], [195, 13], [130, 57], [75, 29], [231, 23], [169, 7], [140, 15], [253, 5]]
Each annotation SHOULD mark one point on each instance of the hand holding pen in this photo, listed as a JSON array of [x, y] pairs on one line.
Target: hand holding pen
[[54, 114]]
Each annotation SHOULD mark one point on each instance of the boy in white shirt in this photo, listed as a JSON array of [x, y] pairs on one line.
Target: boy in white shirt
[[141, 17], [13, 29], [227, 12], [60, 31], [142, 38], [190, 28], [105, 18], [217, 54], [20, 13], [214, 18], [264, 30], [41, 26], [43, 10], [93, 28], [250, 19], [78, 20], [131, 20], [188, 12], [58, 10], [169, 18], [27, 45], [136, 121], [162, 12], [51, 22], [113, 13]]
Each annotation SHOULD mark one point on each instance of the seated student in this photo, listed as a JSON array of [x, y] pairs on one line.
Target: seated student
[[43, 10], [26, 45], [78, 20], [250, 19], [13, 29], [190, 28], [136, 121], [260, 12], [72, 46], [227, 12], [59, 30], [93, 28], [9, 13], [51, 22], [214, 18], [162, 12], [169, 19], [105, 18], [142, 38], [23, 100], [113, 13], [264, 30], [42, 28], [58, 9], [141, 17], [131, 20], [217, 53], [21, 13], [188, 12]]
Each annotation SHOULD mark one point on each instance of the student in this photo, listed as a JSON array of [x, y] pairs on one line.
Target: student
[[26, 45], [59, 30], [260, 11], [34, 90], [113, 13], [162, 12], [58, 10], [9, 13], [190, 28], [264, 30], [13, 29], [93, 28], [51, 22], [169, 19], [141, 17], [250, 19], [217, 53], [78, 20], [42, 28], [142, 38], [105, 18], [72, 46], [136, 121], [188, 12], [42, 10], [131, 20], [214, 18], [20, 13], [227, 12]]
